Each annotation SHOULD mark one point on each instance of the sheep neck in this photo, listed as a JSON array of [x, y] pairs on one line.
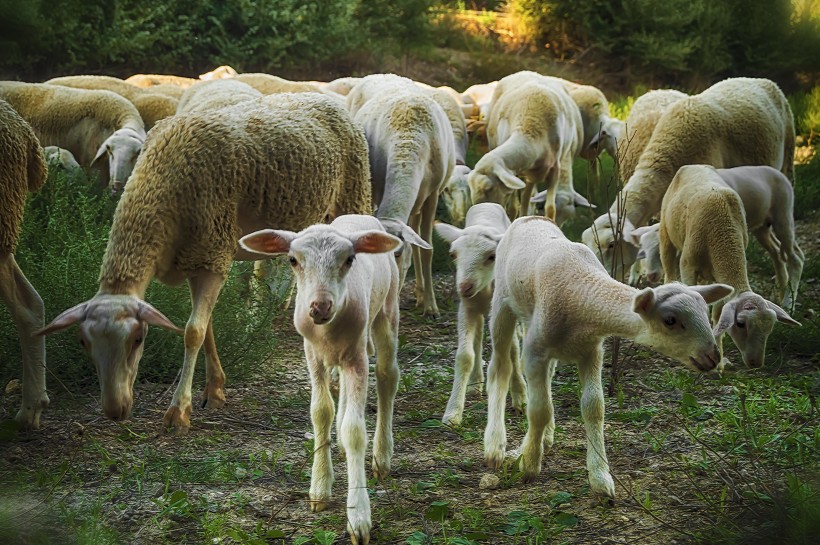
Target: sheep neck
[[517, 153], [614, 316]]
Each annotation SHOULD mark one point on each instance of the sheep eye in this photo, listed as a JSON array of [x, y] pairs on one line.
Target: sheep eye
[[740, 324], [293, 261], [82, 342], [611, 244], [453, 255], [670, 321], [349, 261], [491, 258], [138, 340]]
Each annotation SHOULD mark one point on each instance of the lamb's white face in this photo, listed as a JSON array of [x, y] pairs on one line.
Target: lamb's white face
[[474, 256], [121, 149], [456, 195], [618, 256], [486, 188], [651, 251]]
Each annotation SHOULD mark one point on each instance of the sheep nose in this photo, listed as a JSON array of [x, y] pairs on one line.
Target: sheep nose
[[116, 187], [652, 277], [466, 289], [117, 411], [320, 310]]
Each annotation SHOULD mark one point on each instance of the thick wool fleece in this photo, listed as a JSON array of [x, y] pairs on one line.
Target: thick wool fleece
[[22, 169], [269, 85], [282, 161], [215, 94]]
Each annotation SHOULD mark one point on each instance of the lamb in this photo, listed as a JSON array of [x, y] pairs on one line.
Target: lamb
[[480, 96], [100, 128], [152, 80], [215, 94], [61, 158], [341, 86], [267, 84], [456, 195], [204, 180], [534, 128], [22, 170], [347, 296], [412, 155], [220, 72], [473, 249], [152, 106], [736, 122], [569, 305], [703, 237], [768, 203]]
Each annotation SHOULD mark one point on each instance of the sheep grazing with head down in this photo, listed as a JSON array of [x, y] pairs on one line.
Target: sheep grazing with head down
[[22, 169], [100, 128], [347, 295], [473, 249], [703, 238], [569, 305], [204, 180], [736, 122]]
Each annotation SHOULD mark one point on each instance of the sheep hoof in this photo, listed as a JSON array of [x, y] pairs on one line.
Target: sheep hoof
[[318, 505], [177, 420], [359, 530], [29, 416], [602, 485], [213, 397], [381, 469], [451, 419]]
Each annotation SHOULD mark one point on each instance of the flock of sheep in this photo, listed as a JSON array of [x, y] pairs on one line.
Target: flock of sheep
[[344, 178]]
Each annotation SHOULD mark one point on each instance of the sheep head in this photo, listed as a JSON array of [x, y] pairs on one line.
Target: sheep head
[[456, 195], [121, 150], [650, 252], [617, 256], [491, 181], [473, 250]]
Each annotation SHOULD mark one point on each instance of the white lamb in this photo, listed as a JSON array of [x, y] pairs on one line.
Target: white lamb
[[473, 249], [569, 305], [738, 121], [456, 195], [61, 158], [703, 238], [768, 203], [412, 155], [347, 294]]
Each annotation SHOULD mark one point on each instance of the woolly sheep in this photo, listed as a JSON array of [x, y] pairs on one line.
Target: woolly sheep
[[412, 155], [167, 89], [152, 107], [267, 84], [534, 130], [456, 195], [220, 72], [703, 238], [22, 169], [100, 128], [215, 94], [473, 249], [204, 180], [342, 86], [347, 295], [738, 121], [480, 96], [150, 80], [61, 158], [569, 305]]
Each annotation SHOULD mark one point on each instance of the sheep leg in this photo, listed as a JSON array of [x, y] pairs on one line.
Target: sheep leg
[[340, 412], [539, 368], [476, 381], [385, 336], [717, 309], [552, 187], [592, 412], [502, 328], [518, 388], [470, 332], [669, 256], [213, 397], [795, 258], [28, 312], [428, 215], [526, 195], [766, 238], [205, 288], [354, 438], [321, 415], [418, 291]]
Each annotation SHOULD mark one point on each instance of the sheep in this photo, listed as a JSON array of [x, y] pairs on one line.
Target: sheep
[[480, 96], [154, 80], [456, 195], [22, 170], [569, 305], [703, 238], [215, 94], [220, 72], [412, 155], [473, 249], [342, 86], [99, 128], [267, 84], [534, 128], [768, 203], [61, 158], [738, 121], [167, 89], [347, 296], [204, 180], [152, 106]]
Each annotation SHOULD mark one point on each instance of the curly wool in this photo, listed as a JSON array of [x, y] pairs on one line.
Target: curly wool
[[215, 94], [283, 161], [22, 169]]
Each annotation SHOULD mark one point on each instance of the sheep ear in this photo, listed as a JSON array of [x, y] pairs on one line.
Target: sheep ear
[[541, 196], [628, 234], [447, 231], [66, 319], [374, 242], [782, 315], [727, 318], [405, 232], [644, 301], [614, 127], [712, 293], [508, 178], [100, 152], [582, 201], [640, 231], [268, 241], [152, 316], [641, 254]]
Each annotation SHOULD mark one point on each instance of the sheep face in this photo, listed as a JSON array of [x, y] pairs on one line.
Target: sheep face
[[650, 253], [616, 256], [492, 184], [473, 250], [112, 332], [565, 204], [121, 150], [456, 195], [677, 322]]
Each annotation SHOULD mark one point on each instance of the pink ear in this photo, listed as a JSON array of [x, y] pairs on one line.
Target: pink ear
[[644, 300], [374, 242], [66, 319], [268, 241], [152, 316]]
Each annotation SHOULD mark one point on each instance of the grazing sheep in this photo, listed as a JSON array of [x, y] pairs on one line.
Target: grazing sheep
[[100, 128], [341, 86], [480, 96], [61, 158], [205, 179], [220, 72], [456, 195], [152, 106], [215, 94], [569, 305], [268, 85], [738, 121], [473, 249], [534, 130], [703, 238], [412, 155], [150, 80], [347, 296], [22, 169]]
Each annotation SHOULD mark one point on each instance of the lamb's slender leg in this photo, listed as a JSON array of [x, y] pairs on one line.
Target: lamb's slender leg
[[592, 412], [669, 256], [214, 395], [518, 388], [538, 367], [470, 329], [27, 310], [476, 380], [321, 414], [205, 288], [502, 330], [766, 238], [796, 259], [552, 186], [385, 336], [526, 195], [340, 412], [414, 223], [428, 213], [354, 438]]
